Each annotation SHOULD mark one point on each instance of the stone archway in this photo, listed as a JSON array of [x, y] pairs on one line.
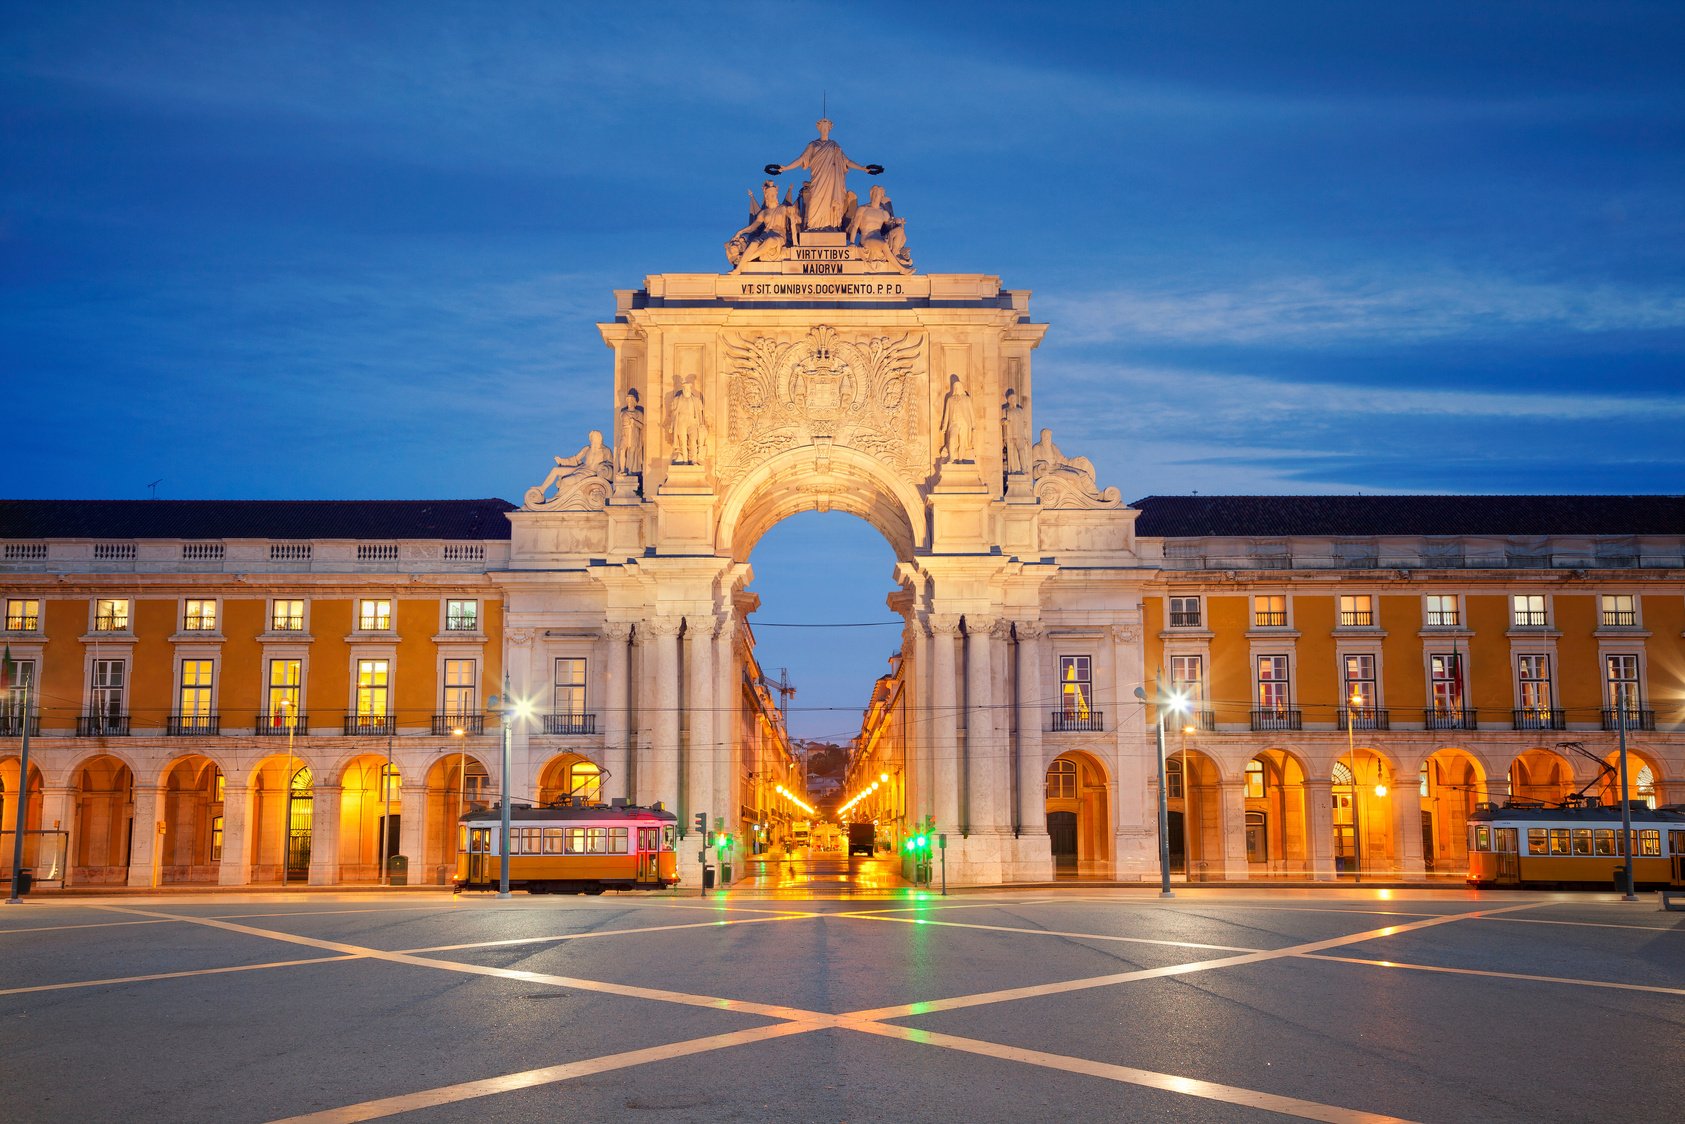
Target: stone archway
[[192, 811], [105, 822], [1277, 825], [458, 782], [1078, 809], [1450, 783], [1541, 775], [1365, 836]]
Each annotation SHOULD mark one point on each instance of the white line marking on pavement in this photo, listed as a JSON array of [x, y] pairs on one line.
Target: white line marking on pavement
[[92, 925], [1048, 932], [1656, 988], [608, 933], [179, 975]]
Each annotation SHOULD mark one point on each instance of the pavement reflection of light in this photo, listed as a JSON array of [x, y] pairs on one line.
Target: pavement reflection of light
[[805, 875]]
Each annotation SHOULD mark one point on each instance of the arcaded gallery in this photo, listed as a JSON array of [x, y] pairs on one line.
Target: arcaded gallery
[[252, 693]]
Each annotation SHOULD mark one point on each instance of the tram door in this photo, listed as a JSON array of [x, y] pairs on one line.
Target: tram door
[[479, 855], [649, 852]]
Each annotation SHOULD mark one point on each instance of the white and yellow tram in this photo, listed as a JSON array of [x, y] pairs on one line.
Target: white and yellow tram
[[1577, 845], [570, 847]]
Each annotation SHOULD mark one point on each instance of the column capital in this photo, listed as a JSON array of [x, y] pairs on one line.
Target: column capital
[[660, 626], [617, 631], [944, 624], [1031, 630], [1125, 633], [1001, 629]]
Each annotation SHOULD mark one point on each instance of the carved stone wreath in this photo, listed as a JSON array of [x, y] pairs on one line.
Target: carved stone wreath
[[783, 394]]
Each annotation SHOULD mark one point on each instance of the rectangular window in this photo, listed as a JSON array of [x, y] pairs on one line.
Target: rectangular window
[[106, 697], [1062, 780], [286, 616], [1360, 694], [1620, 610], [1254, 779], [1184, 612], [1533, 673], [1582, 840], [552, 841], [1357, 610], [1620, 673], [1527, 610], [196, 688], [462, 616], [1270, 611], [570, 688], [1650, 842], [23, 614], [460, 688], [1482, 838], [1446, 669], [200, 617], [1536, 841], [216, 838], [1075, 681], [285, 678], [1187, 678], [1603, 840], [1273, 691], [1559, 841], [372, 684], [11, 701], [374, 615], [111, 615], [1443, 611]]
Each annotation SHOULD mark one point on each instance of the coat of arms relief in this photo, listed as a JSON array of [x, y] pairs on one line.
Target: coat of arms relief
[[822, 390]]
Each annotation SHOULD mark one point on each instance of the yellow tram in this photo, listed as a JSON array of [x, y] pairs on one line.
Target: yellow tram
[[569, 847], [1576, 845]]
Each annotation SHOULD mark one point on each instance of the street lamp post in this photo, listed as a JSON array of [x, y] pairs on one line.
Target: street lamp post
[[1357, 815], [1627, 894], [509, 709], [20, 817], [1176, 703]]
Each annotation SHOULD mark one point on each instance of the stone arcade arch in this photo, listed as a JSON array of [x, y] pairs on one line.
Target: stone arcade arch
[[823, 375]]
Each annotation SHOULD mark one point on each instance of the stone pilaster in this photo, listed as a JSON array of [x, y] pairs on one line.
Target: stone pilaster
[[726, 765], [1032, 771], [944, 723], [616, 708], [1319, 795], [985, 774], [324, 834], [658, 774], [1232, 822], [700, 752], [146, 845], [1407, 830], [236, 866], [412, 827]]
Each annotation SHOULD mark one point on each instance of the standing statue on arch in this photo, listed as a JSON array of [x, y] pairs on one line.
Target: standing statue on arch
[[827, 170], [687, 423]]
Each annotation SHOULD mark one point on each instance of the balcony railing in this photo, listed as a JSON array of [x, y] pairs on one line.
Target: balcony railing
[[1637, 718], [276, 725], [469, 623], [1530, 618], [26, 623], [1357, 618], [1265, 619], [102, 726], [366, 725], [571, 724], [111, 624], [1200, 720], [1444, 618], [1184, 620], [286, 624], [1450, 718], [190, 725], [1280, 718], [1539, 718], [1070, 722], [1620, 618], [1364, 718], [11, 725], [445, 725]]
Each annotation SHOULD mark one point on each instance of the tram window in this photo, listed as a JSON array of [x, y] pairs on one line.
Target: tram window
[[1559, 841], [1650, 841], [1604, 838], [1582, 840], [667, 831], [1506, 840], [617, 841], [552, 841], [576, 841], [1482, 838], [1536, 841], [530, 840], [1676, 840]]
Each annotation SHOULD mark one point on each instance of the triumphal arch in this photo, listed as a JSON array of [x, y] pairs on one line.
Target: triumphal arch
[[821, 371]]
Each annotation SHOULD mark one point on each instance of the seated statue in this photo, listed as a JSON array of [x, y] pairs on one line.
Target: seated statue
[[1062, 481], [582, 482], [772, 228], [881, 235]]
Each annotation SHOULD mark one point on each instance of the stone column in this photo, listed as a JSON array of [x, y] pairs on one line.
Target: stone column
[[700, 756], [1032, 771], [1232, 821], [236, 866], [58, 803], [146, 846], [944, 724], [617, 711], [325, 810], [726, 750], [412, 828], [1319, 795], [918, 732], [1407, 828], [658, 774], [985, 775]]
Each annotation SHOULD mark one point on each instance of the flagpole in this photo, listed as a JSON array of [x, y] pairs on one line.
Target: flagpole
[[20, 818]]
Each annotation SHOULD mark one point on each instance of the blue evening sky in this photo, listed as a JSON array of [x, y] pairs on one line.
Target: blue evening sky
[[359, 250]]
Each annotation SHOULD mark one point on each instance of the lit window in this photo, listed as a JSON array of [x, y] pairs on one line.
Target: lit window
[[111, 615], [12, 697], [1443, 611], [1255, 779], [1620, 610], [1173, 780], [1074, 684], [216, 838], [1184, 612], [1447, 671], [1528, 610], [570, 689], [1359, 672], [23, 614], [196, 688], [107, 694], [1269, 611], [1187, 678], [372, 685], [200, 617], [286, 616], [1620, 674], [1533, 674], [1062, 780], [285, 677], [460, 688], [1357, 610], [1273, 694], [462, 616], [374, 615], [585, 782]]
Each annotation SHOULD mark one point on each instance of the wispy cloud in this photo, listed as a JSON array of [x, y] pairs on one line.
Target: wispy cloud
[[1314, 311]]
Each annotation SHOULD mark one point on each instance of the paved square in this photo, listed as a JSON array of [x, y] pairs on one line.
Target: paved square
[[1339, 1005]]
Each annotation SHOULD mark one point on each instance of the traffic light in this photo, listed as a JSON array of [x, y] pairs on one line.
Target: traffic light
[[702, 824]]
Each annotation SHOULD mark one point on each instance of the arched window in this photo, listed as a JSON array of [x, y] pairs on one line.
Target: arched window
[[1062, 780], [585, 781], [1342, 773], [1173, 780]]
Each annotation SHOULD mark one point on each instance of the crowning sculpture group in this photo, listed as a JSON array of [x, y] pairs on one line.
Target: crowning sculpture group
[[871, 233]]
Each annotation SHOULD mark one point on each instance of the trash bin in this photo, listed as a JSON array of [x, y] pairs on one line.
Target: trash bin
[[707, 878], [725, 874], [398, 870], [26, 881]]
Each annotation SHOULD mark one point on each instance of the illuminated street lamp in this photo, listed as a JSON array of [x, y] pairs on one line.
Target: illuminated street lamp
[[1178, 702], [510, 709]]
